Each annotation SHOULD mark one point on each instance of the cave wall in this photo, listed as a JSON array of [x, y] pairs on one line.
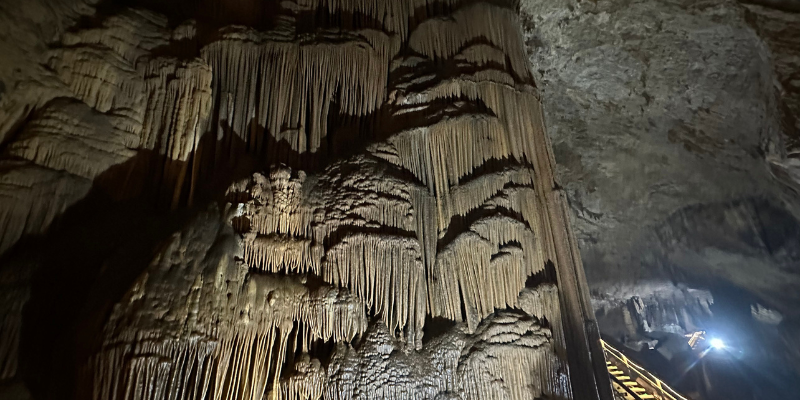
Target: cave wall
[[674, 126], [283, 200]]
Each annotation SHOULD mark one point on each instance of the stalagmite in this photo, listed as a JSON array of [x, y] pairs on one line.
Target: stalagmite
[[307, 383], [542, 302], [234, 327], [509, 357]]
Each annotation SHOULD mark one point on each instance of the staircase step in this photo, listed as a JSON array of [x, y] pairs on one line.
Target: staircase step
[[625, 387], [621, 390]]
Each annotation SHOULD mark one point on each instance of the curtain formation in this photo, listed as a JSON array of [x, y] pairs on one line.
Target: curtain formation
[[404, 188]]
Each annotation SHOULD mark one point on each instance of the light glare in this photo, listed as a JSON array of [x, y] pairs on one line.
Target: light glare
[[717, 343]]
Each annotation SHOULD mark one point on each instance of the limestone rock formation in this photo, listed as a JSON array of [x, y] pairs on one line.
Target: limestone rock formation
[[284, 200], [674, 126]]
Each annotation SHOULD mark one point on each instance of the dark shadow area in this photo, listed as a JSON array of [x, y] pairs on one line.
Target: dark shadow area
[[318, 349], [759, 237], [548, 275], [436, 327], [754, 358], [260, 14], [131, 209], [748, 367]]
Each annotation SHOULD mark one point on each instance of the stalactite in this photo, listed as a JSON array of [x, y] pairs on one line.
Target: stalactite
[[462, 199], [509, 358], [235, 360], [307, 383], [425, 209], [285, 87], [482, 55], [379, 368], [445, 216], [479, 272], [395, 15], [12, 300], [58, 137], [503, 100], [226, 339], [47, 169], [344, 203], [99, 65], [385, 271], [178, 106], [525, 201], [32, 197], [112, 103], [443, 38], [277, 254], [277, 205], [130, 34], [367, 199], [441, 154], [542, 302]]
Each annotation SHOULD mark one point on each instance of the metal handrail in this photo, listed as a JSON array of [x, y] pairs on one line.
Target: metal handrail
[[664, 389], [625, 387]]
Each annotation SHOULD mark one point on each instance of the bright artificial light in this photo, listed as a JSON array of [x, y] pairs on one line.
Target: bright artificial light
[[717, 343]]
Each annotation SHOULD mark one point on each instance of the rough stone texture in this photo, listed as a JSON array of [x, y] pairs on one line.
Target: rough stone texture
[[283, 200], [668, 120], [780, 31], [380, 191]]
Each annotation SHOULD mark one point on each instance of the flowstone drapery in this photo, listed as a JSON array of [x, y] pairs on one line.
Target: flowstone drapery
[[390, 226]]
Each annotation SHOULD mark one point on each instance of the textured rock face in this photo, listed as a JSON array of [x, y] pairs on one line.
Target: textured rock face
[[674, 126], [284, 200], [353, 199]]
